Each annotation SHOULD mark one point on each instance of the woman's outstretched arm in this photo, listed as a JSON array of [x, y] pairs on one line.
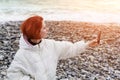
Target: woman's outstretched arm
[[67, 49]]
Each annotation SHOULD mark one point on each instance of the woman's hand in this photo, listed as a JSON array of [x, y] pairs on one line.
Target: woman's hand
[[96, 41]]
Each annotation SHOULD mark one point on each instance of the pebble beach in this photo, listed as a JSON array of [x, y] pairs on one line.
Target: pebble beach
[[99, 63]]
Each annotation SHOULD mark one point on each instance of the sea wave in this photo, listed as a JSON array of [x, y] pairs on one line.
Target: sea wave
[[86, 16]]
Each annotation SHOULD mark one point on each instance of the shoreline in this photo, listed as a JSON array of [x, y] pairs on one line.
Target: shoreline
[[82, 16]]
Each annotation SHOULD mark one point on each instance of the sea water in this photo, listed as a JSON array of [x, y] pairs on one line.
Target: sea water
[[75, 10]]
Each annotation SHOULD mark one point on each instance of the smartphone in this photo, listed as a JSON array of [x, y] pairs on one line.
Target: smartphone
[[99, 35]]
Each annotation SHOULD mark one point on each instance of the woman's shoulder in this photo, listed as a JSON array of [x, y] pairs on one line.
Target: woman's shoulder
[[48, 40]]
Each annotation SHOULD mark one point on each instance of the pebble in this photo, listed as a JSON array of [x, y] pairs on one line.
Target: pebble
[[1, 57], [100, 63]]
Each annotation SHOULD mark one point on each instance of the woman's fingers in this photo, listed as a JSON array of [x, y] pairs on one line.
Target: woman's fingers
[[93, 43], [96, 41]]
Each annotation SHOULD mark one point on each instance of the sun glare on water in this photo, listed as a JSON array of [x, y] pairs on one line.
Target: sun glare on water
[[109, 6]]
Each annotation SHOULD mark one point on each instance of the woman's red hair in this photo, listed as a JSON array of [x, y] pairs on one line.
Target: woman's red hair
[[32, 26]]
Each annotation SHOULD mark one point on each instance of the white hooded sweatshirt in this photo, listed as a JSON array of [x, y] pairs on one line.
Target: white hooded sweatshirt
[[39, 62]]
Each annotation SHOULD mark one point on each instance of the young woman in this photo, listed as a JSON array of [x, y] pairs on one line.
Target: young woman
[[37, 57]]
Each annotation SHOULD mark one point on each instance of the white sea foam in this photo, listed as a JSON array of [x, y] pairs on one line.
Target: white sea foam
[[83, 16]]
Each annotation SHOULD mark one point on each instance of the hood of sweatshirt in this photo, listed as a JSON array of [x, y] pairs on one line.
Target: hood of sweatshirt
[[24, 44]]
